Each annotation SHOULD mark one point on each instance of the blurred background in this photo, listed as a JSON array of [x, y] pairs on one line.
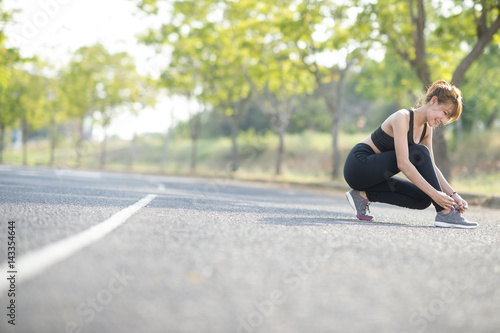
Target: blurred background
[[274, 90]]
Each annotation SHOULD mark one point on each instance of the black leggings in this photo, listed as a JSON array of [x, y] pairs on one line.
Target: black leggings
[[365, 170]]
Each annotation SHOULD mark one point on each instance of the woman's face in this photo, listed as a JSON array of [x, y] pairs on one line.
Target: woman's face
[[439, 114]]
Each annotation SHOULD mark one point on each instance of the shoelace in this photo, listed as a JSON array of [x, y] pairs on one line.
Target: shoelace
[[461, 217], [367, 208]]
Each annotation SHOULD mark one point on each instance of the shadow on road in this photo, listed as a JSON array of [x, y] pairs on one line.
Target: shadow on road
[[321, 221]]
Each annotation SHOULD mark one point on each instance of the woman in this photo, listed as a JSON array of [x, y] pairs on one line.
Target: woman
[[404, 143]]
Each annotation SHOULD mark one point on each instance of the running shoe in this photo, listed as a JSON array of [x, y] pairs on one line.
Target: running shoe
[[453, 220], [359, 204]]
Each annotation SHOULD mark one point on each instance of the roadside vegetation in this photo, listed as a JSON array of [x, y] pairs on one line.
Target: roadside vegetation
[[306, 159]]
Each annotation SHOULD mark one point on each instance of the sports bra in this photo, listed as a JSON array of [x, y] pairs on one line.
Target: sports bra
[[385, 142]]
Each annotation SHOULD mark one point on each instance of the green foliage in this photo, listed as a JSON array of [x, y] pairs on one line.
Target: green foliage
[[96, 80], [31, 93], [391, 80], [480, 88], [9, 57]]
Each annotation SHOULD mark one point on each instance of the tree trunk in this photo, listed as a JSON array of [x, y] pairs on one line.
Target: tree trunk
[[281, 148], [52, 140], [24, 125], [440, 149], [335, 146], [133, 152], [194, 153], [102, 163], [79, 143], [334, 105], [195, 123], [234, 144], [2, 141], [166, 146], [491, 119], [235, 119], [460, 130], [336, 118], [334, 132], [421, 68], [166, 142], [420, 64]]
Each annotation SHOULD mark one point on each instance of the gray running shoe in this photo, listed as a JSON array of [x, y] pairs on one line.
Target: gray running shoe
[[453, 220], [359, 204]]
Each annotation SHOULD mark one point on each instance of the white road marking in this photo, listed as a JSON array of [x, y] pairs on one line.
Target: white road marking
[[76, 173], [59, 172], [37, 261]]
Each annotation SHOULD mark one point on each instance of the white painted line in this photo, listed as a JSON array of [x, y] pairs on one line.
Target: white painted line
[[37, 261], [77, 173]]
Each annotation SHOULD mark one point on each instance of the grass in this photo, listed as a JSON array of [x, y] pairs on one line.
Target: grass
[[307, 158], [486, 184]]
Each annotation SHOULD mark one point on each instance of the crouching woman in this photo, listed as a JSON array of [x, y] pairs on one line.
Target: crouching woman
[[403, 143]]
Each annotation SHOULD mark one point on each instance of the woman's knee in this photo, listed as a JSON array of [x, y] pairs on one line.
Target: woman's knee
[[420, 200], [419, 154], [422, 204], [419, 148]]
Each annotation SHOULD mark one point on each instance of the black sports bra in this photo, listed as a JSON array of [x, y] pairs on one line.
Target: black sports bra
[[385, 142]]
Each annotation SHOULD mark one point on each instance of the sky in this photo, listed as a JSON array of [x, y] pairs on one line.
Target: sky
[[54, 29]]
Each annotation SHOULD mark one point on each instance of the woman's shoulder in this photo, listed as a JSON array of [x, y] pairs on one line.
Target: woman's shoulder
[[398, 119], [403, 112], [400, 116]]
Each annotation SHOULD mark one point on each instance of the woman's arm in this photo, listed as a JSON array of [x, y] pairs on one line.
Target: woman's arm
[[400, 126], [445, 186]]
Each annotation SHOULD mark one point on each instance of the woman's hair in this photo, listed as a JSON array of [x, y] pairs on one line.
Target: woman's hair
[[446, 93]]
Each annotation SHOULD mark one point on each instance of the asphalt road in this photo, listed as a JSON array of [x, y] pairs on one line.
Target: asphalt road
[[216, 255]]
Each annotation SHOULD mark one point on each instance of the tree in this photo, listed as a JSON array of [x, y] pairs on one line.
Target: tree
[[280, 77], [166, 140], [10, 107], [53, 105], [329, 41], [283, 84], [79, 88], [99, 83], [279, 107], [233, 40], [181, 78], [210, 56], [119, 87], [146, 96], [8, 96], [481, 86], [230, 60], [443, 41], [9, 57], [26, 103]]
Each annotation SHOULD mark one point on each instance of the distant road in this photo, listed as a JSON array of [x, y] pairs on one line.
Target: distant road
[[117, 252]]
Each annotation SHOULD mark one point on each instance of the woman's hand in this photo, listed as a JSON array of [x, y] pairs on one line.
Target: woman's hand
[[443, 200], [460, 204]]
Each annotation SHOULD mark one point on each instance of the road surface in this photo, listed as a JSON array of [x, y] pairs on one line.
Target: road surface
[[116, 252]]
